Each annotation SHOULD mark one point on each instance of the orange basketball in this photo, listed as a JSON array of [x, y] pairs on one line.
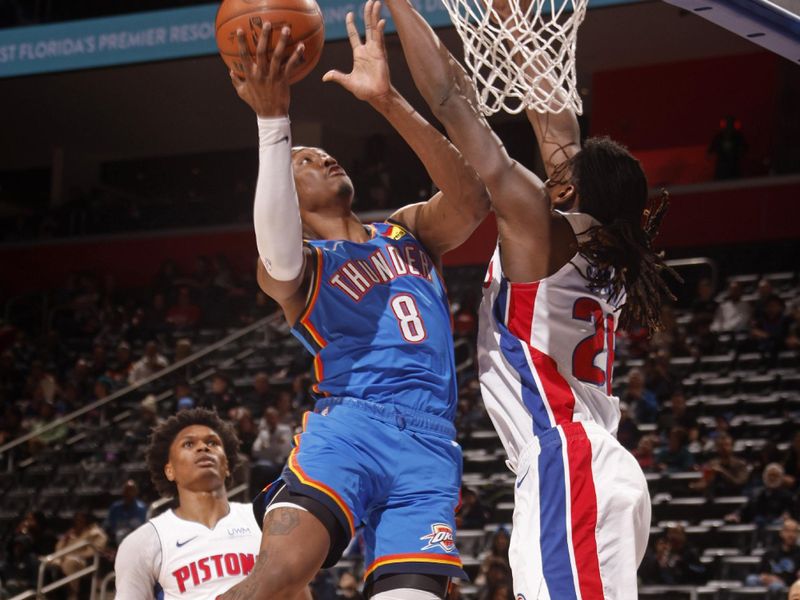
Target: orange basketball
[[303, 16]]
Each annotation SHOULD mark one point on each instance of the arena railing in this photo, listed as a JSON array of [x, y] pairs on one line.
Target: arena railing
[[6, 450], [42, 590]]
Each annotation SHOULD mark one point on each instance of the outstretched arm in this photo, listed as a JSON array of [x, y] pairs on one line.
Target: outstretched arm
[[518, 196], [276, 213], [558, 134], [447, 219]]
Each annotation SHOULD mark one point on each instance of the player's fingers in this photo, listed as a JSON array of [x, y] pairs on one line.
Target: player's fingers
[[375, 18], [244, 52], [379, 34], [262, 50], [334, 76], [280, 48], [368, 21], [296, 59], [352, 32]]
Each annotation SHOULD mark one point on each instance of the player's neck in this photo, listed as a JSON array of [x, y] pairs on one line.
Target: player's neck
[[206, 508], [339, 227]]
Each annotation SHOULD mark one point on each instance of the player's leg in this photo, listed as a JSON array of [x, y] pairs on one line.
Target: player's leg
[[285, 565], [623, 514], [306, 515], [410, 544]]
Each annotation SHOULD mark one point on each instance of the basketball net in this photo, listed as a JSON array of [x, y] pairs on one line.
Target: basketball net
[[524, 60]]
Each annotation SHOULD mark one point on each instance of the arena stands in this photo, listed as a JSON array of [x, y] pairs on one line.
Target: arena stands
[[724, 450]]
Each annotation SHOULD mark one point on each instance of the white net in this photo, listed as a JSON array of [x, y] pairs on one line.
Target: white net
[[521, 53]]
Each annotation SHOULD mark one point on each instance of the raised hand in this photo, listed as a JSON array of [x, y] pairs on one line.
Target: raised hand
[[369, 79], [265, 85]]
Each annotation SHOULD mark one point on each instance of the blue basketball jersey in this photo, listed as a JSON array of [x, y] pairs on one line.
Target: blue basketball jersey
[[378, 323]]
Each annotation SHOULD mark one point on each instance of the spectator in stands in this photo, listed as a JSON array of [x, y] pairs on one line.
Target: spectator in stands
[[644, 453], [246, 429], [780, 565], [764, 291], [498, 554], [772, 328], [82, 530], [676, 456], [183, 349], [35, 527], [301, 388], [498, 580], [10, 422], [285, 409], [137, 435], [151, 363], [704, 306], [99, 362], [628, 432], [768, 505], [659, 376], [221, 397], [725, 474], [348, 587], [184, 314], [642, 402], [672, 561], [260, 396], [791, 463], [729, 146], [81, 377], [271, 447], [733, 313], [123, 364], [793, 333], [152, 321], [51, 437], [20, 569], [679, 415], [472, 514], [125, 514], [672, 338]]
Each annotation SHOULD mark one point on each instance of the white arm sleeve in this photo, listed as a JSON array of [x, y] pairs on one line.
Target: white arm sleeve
[[276, 213], [137, 564]]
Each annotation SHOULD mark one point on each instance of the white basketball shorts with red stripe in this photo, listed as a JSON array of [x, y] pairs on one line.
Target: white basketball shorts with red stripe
[[581, 517]]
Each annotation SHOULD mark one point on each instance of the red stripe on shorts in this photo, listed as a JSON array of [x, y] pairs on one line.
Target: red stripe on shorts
[[584, 512]]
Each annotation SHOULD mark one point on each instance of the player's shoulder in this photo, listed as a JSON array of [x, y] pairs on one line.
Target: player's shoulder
[[141, 541], [578, 221], [243, 511]]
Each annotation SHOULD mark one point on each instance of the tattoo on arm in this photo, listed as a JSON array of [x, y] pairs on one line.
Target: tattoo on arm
[[281, 521]]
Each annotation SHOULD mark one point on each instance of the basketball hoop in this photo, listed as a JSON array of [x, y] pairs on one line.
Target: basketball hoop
[[525, 59]]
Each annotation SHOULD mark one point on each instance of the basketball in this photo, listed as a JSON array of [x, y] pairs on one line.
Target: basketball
[[303, 16]]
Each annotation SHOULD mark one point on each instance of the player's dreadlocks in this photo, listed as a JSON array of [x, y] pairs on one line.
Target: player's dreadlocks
[[612, 187], [161, 439]]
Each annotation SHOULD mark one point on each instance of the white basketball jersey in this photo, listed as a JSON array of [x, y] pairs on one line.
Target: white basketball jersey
[[546, 350], [201, 563]]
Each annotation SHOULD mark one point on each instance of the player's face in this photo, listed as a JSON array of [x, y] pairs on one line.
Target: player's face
[[197, 460], [320, 181]]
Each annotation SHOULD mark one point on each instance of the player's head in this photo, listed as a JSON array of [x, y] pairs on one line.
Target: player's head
[[609, 184], [193, 450], [323, 186], [794, 591], [789, 532]]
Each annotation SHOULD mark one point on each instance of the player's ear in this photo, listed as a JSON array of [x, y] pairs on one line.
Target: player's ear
[[169, 472]]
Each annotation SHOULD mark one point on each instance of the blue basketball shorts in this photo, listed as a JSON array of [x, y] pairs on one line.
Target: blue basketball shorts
[[393, 471]]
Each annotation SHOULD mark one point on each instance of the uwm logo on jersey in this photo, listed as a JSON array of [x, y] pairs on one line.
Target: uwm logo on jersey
[[356, 278], [213, 567]]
